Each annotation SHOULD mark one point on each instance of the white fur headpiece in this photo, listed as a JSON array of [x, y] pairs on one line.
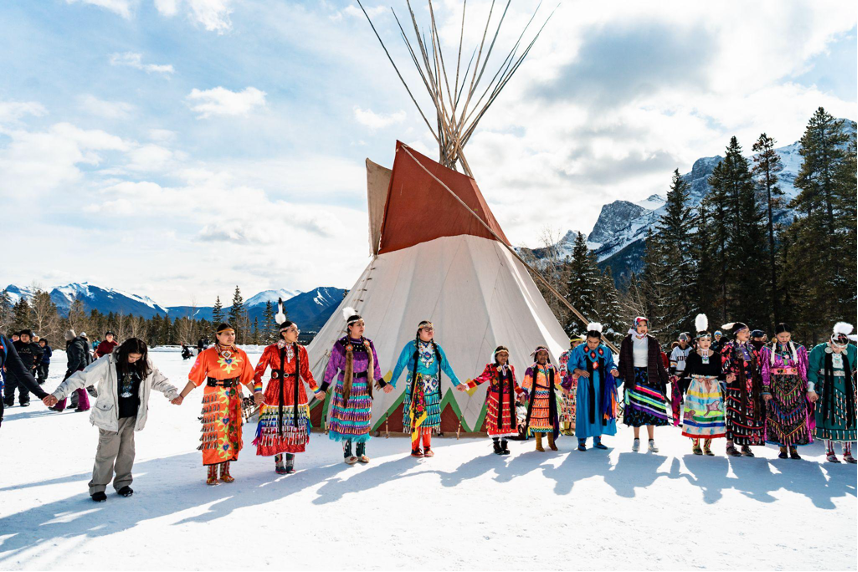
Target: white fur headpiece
[[594, 327], [701, 323], [280, 316], [843, 328]]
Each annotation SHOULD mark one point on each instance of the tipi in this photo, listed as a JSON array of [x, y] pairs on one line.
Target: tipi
[[433, 260], [438, 252]]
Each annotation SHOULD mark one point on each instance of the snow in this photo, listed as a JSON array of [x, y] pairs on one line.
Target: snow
[[464, 508]]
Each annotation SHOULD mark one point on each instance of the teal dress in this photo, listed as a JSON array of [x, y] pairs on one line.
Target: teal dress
[[589, 422], [832, 377], [428, 386]]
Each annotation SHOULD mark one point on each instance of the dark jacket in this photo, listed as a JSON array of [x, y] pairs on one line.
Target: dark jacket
[[30, 354], [77, 355], [655, 364], [11, 364], [48, 352]]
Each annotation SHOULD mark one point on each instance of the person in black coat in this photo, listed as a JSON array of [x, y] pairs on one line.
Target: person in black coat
[[31, 355], [45, 364], [78, 358], [11, 365]]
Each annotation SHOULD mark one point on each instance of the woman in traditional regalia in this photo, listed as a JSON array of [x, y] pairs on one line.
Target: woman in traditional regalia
[[421, 413], [596, 395], [789, 413], [501, 395], [284, 417], [541, 383], [645, 383], [831, 385], [354, 364], [703, 409], [224, 368], [746, 412]]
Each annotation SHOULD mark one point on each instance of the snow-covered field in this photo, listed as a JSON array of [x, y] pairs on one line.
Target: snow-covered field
[[464, 508]]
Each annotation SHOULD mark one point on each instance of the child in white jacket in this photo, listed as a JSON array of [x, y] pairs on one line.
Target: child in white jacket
[[125, 379]]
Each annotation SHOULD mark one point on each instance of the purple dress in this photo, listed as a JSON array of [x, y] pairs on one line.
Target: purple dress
[[789, 415], [351, 415]]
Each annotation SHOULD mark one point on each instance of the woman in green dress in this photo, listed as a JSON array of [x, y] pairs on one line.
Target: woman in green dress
[[831, 384]]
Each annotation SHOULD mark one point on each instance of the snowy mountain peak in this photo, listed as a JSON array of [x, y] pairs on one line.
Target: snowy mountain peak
[[271, 296]]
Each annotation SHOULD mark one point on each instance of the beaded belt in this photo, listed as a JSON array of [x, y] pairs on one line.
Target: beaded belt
[[276, 375], [784, 371], [212, 382], [697, 376], [836, 373]]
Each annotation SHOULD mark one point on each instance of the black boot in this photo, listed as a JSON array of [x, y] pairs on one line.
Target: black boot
[[347, 449], [497, 447], [290, 463], [504, 447]]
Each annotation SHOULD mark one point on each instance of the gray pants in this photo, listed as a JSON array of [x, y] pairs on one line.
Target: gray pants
[[115, 452]]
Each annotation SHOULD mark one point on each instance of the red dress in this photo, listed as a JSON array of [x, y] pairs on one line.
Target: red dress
[[500, 399], [283, 427]]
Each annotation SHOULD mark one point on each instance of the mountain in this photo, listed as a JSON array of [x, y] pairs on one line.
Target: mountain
[[310, 310], [619, 234], [105, 300]]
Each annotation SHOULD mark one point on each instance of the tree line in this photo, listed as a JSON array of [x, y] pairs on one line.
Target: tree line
[[40, 314]]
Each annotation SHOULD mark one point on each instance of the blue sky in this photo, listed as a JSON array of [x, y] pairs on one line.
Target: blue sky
[[175, 148]]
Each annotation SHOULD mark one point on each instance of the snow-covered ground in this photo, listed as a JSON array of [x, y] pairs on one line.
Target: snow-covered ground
[[464, 508]]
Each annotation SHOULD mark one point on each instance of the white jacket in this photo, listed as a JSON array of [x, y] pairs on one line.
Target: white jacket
[[102, 373]]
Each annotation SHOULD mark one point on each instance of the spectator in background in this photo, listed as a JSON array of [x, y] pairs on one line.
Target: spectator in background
[[76, 352], [15, 337], [758, 339], [106, 347], [88, 347], [10, 364], [45, 364], [717, 342], [31, 355]]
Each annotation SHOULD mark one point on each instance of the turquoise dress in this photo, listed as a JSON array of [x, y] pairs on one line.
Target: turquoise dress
[[835, 409], [428, 385], [588, 421]]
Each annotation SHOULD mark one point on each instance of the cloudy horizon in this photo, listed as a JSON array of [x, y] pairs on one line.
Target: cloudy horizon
[[176, 148]]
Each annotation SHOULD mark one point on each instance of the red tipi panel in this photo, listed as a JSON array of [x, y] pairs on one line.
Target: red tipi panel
[[419, 209]]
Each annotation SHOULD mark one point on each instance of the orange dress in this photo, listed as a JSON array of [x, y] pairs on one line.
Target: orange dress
[[221, 433]]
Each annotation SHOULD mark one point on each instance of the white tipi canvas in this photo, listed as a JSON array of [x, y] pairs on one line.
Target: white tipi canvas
[[477, 294]]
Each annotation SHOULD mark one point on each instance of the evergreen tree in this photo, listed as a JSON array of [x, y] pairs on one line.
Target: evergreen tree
[[254, 337], [237, 316], [824, 228], [653, 282], [217, 312], [6, 311], [767, 163], [21, 315], [608, 307], [268, 324], [675, 229], [581, 284]]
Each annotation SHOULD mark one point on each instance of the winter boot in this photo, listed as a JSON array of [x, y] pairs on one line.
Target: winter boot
[[746, 451], [504, 447], [348, 457], [125, 491], [732, 450], [279, 467], [99, 496], [539, 443], [582, 444], [290, 463], [211, 479], [695, 447], [497, 447], [361, 452], [793, 454], [707, 444], [782, 453], [551, 444], [597, 443], [224, 473]]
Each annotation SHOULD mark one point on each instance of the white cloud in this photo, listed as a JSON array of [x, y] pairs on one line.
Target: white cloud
[[121, 7], [135, 60], [167, 7], [12, 111], [42, 161], [212, 14], [106, 109], [221, 101], [162, 135], [377, 120]]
